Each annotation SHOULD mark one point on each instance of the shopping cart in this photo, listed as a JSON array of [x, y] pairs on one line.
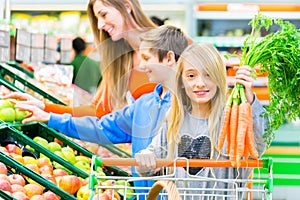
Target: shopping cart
[[172, 188]]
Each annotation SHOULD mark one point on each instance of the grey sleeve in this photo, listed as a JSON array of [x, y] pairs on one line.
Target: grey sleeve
[[260, 123]]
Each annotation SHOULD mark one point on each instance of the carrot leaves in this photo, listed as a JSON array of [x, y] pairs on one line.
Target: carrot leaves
[[278, 54]]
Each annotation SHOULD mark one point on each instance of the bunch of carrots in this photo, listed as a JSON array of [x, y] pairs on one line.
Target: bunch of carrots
[[237, 128]]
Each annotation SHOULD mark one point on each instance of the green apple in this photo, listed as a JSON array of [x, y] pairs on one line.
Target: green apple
[[83, 193], [21, 114], [56, 165], [41, 141], [7, 114], [54, 146], [30, 148], [84, 166], [68, 154], [5, 103], [83, 158]]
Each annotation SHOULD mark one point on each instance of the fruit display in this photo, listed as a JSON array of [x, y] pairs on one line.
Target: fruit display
[[53, 157], [9, 113], [21, 183]]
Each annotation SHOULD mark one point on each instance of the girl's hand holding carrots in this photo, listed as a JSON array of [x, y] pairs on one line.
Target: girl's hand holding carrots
[[244, 76]]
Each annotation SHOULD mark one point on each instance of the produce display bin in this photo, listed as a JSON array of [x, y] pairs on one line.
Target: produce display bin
[[7, 71], [34, 129], [20, 169], [22, 69], [9, 134]]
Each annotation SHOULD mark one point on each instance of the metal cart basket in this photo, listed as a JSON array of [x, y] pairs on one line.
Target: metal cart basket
[[170, 187]]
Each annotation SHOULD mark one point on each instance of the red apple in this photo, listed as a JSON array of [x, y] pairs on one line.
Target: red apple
[[38, 197], [17, 188], [20, 196], [43, 161], [4, 150], [33, 167], [59, 172], [49, 195], [12, 148], [69, 183], [3, 168], [4, 177], [5, 185], [16, 179], [49, 177], [46, 169], [33, 189]]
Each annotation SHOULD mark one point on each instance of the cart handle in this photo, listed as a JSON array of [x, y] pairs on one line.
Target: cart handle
[[181, 162]]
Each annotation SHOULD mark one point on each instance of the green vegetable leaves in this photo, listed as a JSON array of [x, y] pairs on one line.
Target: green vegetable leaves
[[278, 54]]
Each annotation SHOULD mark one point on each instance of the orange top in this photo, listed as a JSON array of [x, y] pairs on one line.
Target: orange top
[[138, 85]]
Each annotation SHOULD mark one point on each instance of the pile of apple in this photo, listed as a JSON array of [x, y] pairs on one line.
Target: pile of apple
[[9, 113], [16, 186]]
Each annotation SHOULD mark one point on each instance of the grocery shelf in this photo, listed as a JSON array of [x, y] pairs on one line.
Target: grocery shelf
[[221, 41]]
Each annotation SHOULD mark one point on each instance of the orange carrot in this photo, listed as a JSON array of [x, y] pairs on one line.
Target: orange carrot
[[250, 137], [233, 131], [224, 127], [241, 131]]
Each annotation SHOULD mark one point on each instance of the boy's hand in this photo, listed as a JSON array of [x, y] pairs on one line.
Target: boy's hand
[[36, 113], [26, 98], [244, 76]]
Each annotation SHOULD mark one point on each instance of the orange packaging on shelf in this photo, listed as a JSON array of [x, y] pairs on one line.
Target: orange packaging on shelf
[[262, 93]]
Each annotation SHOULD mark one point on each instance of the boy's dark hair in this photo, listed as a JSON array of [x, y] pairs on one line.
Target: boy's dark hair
[[78, 45], [158, 21], [165, 38]]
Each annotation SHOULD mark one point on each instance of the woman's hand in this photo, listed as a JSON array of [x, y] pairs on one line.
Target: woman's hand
[[243, 76], [36, 113], [26, 98]]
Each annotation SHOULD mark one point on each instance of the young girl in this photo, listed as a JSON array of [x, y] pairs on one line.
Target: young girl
[[193, 127]]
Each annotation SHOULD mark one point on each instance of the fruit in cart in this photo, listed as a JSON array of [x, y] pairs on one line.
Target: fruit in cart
[[13, 148], [3, 168], [7, 114], [54, 146], [101, 196], [49, 195], [16, 179], [69, 183], [41, 141], [5, 185], [20, 196], [32, 189], [83, 193], [112, 194]]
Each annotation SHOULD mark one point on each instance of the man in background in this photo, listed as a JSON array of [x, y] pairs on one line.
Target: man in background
[[86, 71]]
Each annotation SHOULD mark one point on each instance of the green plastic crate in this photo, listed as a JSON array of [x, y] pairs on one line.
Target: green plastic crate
[[5, 70], [40, 129], [34, 176], [9, 134]]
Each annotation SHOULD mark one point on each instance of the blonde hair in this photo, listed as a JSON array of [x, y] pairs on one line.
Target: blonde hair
[[165, 38], [117, 56], [201, 56]]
